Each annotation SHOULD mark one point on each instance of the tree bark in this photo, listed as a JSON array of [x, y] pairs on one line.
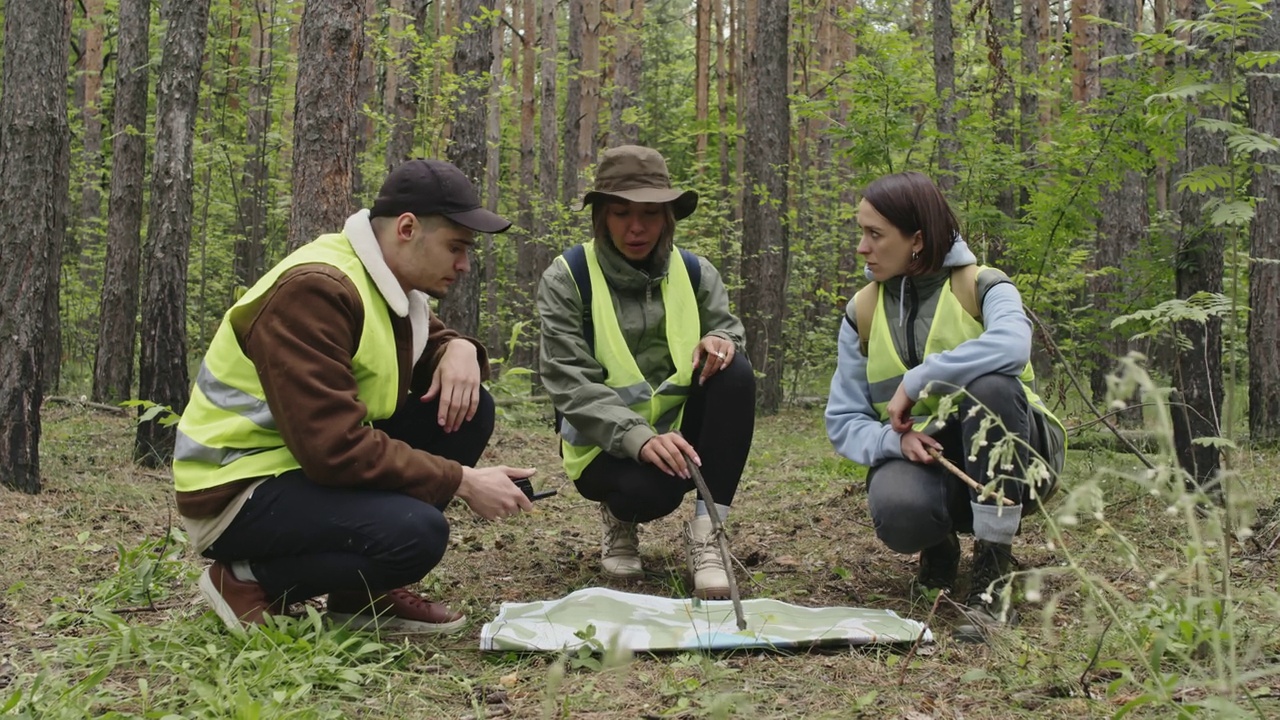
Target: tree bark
[[118, 309], [91, 192], [492, 175], [529, 249], [162, 371], [1198, 268], [572, 103], [366, 96], [460, 310], [1122, 208], [702, 79], [765, 243], [588, 143], [1264, 272], [549, 141], [1084, 51], [944, 82], [1002, 23], [35, 178], [402, 79], [626, 83], [326, 118], [1034, 22]]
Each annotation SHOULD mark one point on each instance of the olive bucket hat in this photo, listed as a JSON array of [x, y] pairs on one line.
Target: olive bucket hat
[[639, 174]]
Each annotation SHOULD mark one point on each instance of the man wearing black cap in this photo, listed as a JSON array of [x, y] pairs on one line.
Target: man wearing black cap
[[334, 417]]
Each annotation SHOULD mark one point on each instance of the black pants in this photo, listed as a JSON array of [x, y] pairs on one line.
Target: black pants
[[303, 539], [914, 506], [719, 420]]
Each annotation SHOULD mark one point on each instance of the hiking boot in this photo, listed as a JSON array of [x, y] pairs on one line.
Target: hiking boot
[[984, 611], [620, 556], [397, 611], [938, 567], [710, 581], [240, 604]]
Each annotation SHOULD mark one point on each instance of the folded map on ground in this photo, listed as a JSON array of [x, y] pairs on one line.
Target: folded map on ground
[[609, 619]]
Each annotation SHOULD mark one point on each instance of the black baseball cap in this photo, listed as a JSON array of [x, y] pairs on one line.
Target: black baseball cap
[[435, 187]]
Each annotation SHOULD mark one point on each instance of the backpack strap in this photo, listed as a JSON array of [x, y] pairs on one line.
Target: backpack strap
[[964, 285], [693, 267], [576, 258]]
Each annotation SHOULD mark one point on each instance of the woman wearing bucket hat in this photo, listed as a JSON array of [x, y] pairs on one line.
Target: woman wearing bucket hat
[[645, 365]]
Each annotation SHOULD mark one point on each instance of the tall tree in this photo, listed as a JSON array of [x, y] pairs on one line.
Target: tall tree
[[1001, 21], [35, 177], [162, 371], [326, 118], [528, 248], [492, 174], [366, 96], [944, 82], [548, 137], [1084, 51], [1122, 206], [259, 119], [626, 83], [572, 101], [471, 60], [118, 310], [1198, 268], [408, 18], [702, 78], [587, 139], [1035, 23], [764, 243], [1264, 272]]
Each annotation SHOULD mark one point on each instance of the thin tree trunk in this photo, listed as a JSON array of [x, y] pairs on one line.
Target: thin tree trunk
[[765, 244], [626, 88], [1264, 272], [944, 82], [549, 140], [723, 80], [702, 79], [528, 247], [1084, 51], [1033, 25], [118, 309], [403, 73], [1198, 268], [572, 103], [162, 371], [91, 192], [492, 174], [460, 310], [1122, 212], [326, 118], [1002, 24], [1160, 18], [35, 178], [587, 140], [366, 96]]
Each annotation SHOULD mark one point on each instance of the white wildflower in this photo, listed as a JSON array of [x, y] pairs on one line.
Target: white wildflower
[[1033, 595], [1068, 520]]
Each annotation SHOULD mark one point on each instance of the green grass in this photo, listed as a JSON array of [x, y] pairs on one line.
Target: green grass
[[1130, 607]]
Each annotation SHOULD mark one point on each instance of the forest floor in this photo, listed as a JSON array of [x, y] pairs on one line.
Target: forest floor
[[99, 615]]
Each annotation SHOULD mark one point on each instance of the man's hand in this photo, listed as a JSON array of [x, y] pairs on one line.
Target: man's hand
[[490, 492], [667, 451], [715, 354], [456, 382], [899, 410], [916, 446]]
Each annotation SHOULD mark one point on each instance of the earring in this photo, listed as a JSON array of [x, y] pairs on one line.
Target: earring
[[914, 256]]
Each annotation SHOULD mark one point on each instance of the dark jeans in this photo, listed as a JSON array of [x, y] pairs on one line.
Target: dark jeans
[[303, 539], [719, 420], [914, 506]]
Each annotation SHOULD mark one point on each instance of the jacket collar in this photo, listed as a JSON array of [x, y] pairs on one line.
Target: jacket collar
[[414, 305], [626, 276]]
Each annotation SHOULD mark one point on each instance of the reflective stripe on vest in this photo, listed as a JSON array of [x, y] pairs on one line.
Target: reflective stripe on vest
[[227, 432], [950, 326], [662, 408]]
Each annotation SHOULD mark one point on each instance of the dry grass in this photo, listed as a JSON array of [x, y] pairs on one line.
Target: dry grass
[[800, 528]]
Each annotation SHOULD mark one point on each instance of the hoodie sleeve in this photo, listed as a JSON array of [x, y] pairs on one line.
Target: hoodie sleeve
[[853, 425], [1004, 347]]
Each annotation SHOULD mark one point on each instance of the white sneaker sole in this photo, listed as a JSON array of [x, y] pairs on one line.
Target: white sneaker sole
[[395, 625], [219, 605]]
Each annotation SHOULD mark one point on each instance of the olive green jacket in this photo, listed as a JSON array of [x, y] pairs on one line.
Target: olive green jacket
[[570, 372]]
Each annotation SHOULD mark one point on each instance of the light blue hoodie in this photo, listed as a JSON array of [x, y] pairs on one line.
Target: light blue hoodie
[[1004, 347]]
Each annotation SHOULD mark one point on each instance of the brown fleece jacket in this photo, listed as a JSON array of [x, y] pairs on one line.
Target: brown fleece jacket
[[301, 336]]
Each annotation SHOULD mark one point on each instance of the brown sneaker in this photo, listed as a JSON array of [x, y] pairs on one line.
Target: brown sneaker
[[240, 604], [398, 611]]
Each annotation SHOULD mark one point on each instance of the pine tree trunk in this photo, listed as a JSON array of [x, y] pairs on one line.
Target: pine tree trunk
[[1033, 25], [1084, 51], [492, 175], [118, 309], [162, 371], [572, 104], [1198, 268], [1002, 25], [460, 310], [91, 192], [702, 79], [1264, 273], [548, 123], [326, 118], [528, 247], [626, 89], [1122, 218], [764, 243], [249, 251], [944, 82], [35, 178], [366, 96], [587, 141]]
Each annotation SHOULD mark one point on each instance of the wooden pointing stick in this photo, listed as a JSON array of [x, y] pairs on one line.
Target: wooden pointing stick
[[951, 467], [717, 528]]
